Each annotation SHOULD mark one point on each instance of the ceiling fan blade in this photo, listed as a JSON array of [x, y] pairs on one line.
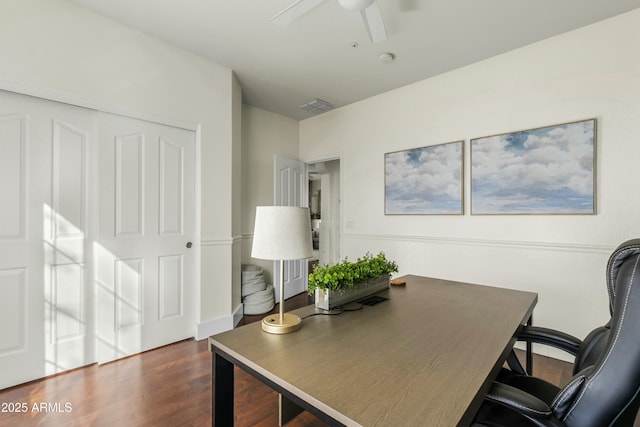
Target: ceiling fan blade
[[294, 11], [372, 18]]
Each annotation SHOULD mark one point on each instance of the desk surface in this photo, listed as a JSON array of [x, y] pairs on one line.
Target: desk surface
[[425, 357]]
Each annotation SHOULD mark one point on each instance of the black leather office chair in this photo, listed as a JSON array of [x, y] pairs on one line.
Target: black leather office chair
[[605, 388]]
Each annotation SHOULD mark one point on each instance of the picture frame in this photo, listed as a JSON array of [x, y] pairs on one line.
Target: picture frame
[[545, 170], [427, 180]]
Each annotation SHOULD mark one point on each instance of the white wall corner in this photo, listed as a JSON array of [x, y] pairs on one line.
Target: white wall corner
[[222, 324]]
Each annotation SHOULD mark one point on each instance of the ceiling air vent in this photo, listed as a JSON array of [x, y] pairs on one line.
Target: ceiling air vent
[[317, 106]]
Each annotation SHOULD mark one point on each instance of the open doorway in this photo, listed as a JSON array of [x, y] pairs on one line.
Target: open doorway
[[326, 211]]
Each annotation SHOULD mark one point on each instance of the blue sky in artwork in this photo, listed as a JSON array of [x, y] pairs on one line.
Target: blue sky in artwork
[[413, 156], [515, 141], [426, 180], [546, 170]]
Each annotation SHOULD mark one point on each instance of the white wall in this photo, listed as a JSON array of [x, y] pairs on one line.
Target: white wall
[[57, 46], [263, 135], [591, 72]]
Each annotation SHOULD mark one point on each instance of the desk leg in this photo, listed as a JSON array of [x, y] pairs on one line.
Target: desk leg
[[530, 350], [288, 410], [222, 390]]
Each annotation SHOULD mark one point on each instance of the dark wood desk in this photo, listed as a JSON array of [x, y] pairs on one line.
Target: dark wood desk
[[425, 357]]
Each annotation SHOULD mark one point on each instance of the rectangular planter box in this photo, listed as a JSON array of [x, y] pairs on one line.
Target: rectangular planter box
[[329, 300]]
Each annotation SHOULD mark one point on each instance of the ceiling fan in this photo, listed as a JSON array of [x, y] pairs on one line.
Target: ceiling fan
[[369, 10]]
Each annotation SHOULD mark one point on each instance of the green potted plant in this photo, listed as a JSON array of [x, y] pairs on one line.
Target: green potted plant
[[347, 281]]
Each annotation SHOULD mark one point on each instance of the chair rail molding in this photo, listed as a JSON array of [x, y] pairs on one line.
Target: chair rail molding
[[220, 241], [549, 246]]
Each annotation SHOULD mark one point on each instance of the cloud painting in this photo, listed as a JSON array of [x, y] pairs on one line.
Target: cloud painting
[[548, 170], [425, 180]]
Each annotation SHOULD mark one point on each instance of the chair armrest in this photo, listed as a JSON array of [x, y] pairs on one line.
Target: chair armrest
[[550, 337], [523, 403], [518, 400]]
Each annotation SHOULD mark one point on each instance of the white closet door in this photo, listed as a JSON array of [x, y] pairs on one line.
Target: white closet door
[[145, 266], [45, 238]]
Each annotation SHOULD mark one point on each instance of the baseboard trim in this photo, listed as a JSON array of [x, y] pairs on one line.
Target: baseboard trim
[[238, 313], [216, 326]]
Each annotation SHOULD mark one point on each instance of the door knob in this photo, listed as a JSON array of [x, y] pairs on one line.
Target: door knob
[[189, 244]]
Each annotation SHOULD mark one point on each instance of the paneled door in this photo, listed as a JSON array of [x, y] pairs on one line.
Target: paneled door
[[291, 189], [46, 294], [96, 231], [145, 260]]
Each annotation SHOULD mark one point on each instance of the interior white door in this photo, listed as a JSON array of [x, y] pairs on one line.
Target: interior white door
[[46, 298], [145, 262], [291, 189]]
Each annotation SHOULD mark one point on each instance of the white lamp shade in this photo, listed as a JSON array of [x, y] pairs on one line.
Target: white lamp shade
[[282, 233]]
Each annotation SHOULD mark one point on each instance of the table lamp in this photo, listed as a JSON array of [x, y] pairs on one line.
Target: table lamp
[[282, 233]]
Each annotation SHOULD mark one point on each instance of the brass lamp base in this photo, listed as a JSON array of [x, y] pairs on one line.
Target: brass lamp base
[[273, 325]]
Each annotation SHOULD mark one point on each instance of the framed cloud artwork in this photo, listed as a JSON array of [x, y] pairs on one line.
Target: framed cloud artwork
[[425, 181], [548, 170]]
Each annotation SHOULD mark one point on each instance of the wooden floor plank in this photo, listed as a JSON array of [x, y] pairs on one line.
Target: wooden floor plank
[[169, 386]]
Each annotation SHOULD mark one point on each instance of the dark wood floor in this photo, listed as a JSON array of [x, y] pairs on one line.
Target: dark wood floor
[[169, 386]]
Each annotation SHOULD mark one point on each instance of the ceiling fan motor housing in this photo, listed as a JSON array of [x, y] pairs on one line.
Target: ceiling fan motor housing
[[355, 4]]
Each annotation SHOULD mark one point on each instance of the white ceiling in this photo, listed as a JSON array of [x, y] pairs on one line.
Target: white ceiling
[[281, 68]]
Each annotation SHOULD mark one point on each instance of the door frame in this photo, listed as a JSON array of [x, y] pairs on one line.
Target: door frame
[[341, 225]]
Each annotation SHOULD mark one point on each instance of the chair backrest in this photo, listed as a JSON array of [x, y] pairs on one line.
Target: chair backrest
[[606, 387]]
